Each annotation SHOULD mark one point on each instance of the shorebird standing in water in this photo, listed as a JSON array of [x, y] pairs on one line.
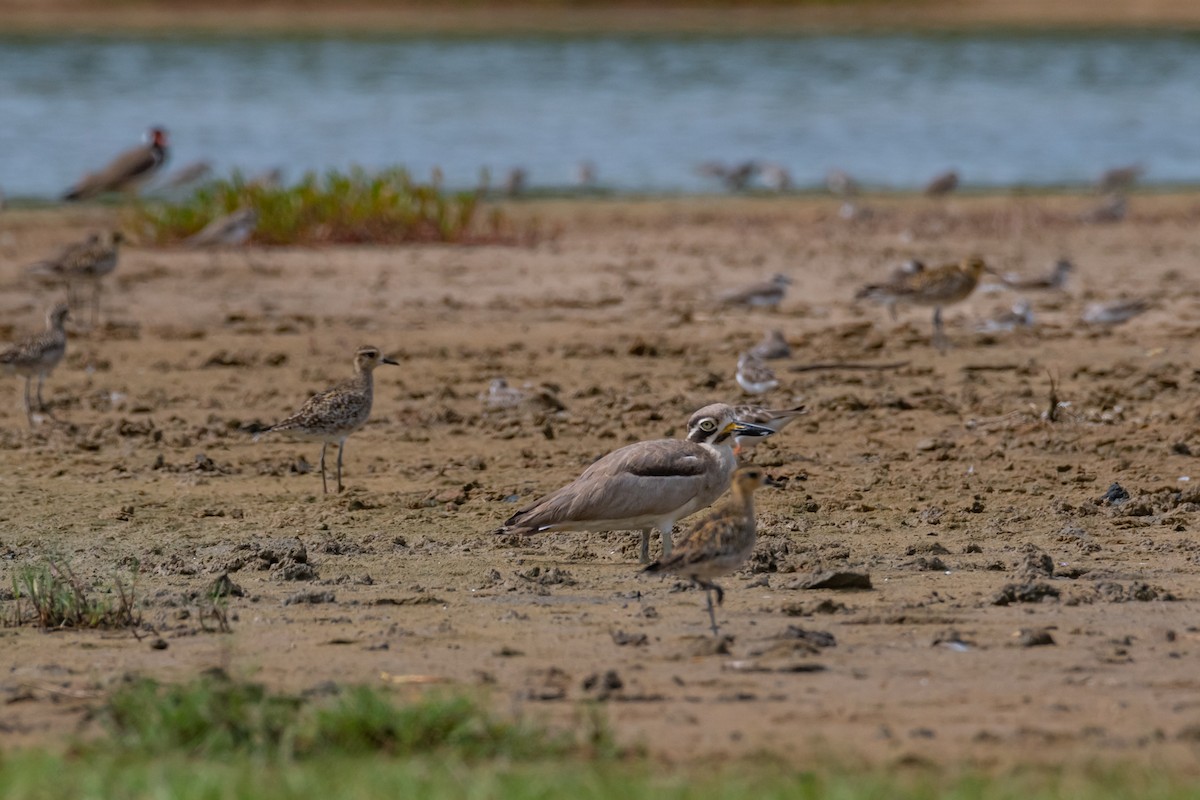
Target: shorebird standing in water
[[38, 355], [332, 415], [645, 485], [719, 543]]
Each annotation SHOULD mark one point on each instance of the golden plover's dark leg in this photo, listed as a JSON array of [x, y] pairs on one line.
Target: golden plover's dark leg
[[324, 485], [939, 335], [28, 399], [341, 446]]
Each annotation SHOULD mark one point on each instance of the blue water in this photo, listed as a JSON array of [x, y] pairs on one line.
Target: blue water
[[892, 110]]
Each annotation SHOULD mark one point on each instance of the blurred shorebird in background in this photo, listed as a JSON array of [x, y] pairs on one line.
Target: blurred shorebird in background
[[1057, 279], [127, 172], [1019, 316], [38, 355], [766, 294], [86, 262], [841, 183], [772, 346], [187, 175], [1119, 179], [736, 177], [1112, 208], [754, 376], [1114, 312], [936, 287], [942, 184], [232, 229]]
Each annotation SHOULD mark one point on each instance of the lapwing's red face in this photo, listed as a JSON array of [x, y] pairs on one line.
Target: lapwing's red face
[[158, 136]]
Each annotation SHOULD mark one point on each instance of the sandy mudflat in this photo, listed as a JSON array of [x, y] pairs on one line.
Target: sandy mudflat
[[942, 480]]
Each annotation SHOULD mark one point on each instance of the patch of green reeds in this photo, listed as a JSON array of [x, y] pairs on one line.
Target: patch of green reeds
[[215, 717], [352, 207]]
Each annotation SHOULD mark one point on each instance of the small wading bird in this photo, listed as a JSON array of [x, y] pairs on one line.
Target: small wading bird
[[1112, 208], [1119, 179], [773, 346], [719, 543], [1114, 312], [735, 177], [1057, 279], [766, 294], [331, 416], [127, 171], [841, 183], [1019, 316], [85, 262], [230, 230], [936, 286], [646, 485], [754, 376], [38, 355], [775, 419], [942, 184]]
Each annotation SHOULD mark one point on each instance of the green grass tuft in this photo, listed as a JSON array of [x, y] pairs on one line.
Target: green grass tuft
[[355, 207], [51, 595], [218, 717]]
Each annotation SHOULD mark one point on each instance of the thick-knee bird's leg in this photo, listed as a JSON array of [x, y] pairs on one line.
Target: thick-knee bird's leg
[[645, 554]]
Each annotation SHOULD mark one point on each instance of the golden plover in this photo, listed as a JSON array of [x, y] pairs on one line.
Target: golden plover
[[86, 262], [38, 355], [720, 542], [127, 171], [331, 416], [646, 485], [930, 286]]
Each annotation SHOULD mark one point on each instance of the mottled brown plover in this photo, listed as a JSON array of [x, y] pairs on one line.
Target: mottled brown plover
[[331, 416], [38, 355], [720, 542]]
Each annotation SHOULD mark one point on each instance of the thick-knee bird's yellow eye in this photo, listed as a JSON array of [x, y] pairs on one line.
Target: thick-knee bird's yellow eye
[[708, 424]]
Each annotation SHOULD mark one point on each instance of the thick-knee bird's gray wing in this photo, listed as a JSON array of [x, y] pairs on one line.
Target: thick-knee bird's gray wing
[[642, 480]]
